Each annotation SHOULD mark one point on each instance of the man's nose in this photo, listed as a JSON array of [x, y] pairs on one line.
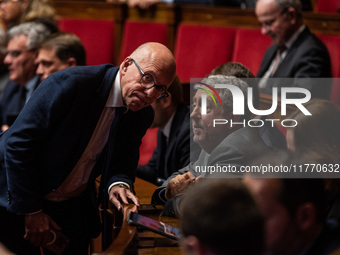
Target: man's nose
[[196, 113], [8, 59]]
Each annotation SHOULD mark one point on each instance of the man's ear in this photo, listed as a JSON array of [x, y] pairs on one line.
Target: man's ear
[[124, 65], [71, 61], [306, 216], [291, 15], [192, 246]]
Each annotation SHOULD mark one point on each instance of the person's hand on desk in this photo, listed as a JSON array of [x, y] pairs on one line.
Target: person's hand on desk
[[119, 193], [179, 184]]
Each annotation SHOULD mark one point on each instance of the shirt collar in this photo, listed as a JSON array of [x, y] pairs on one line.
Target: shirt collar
[[167, 128], [30, 85], [290, 42], [115, 97]]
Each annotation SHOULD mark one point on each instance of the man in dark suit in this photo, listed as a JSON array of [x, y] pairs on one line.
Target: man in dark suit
[[24, 41], [173, 139], [81, 122], [295, 53], [225, 145]]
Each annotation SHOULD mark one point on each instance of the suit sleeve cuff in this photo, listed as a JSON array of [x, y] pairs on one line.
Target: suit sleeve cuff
[[117, 183]]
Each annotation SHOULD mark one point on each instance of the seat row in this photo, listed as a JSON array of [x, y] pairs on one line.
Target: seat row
[[198, 48]]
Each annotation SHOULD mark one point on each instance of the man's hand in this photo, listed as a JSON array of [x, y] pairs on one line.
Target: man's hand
[[179, 184], [118, 194], [38, 226]]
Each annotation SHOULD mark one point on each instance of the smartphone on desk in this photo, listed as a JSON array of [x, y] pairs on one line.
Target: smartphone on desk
[[158, 227]]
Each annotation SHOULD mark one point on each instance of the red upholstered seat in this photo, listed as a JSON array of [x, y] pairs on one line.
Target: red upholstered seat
[[149, 143], [333, 44], [137, 33], [327, 6], [97, 37], [249, 49], [199, 49]]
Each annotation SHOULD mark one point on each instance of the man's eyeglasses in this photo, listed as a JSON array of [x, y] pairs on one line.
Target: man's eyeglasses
[[148, 82]]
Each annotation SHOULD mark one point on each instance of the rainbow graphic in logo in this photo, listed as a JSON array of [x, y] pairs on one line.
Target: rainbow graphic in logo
[[204, 101]]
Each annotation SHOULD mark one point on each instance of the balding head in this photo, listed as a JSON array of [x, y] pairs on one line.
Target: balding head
[[279, 19], [159, 55], [154, 60]]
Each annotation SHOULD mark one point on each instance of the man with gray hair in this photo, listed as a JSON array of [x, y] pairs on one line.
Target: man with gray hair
[[296, 52], [23, 42], [229, 145]]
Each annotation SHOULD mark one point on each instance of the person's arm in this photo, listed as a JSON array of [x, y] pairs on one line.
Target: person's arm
[[158, 197], [24, 142], [124, 155]]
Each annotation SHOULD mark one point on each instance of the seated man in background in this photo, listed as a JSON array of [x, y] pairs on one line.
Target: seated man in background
[[271, 135], [229, 145], [22, 49], [295, 52], [219, 216], [295, 213], [59, 51], [173, 139]]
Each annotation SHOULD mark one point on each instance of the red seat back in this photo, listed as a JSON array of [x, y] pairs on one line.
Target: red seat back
[[97, 37], [137, 33], [199, 49], [149, 143], [327, 6], [249, 49], [333, 44]]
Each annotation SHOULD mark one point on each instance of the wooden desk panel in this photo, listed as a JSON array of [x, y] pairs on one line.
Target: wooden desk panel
[[127, 239]]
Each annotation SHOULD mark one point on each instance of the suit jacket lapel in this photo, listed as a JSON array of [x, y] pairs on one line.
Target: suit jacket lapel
[[97, 106]]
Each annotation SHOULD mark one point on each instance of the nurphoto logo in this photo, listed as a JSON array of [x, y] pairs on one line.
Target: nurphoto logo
[[239, 103]]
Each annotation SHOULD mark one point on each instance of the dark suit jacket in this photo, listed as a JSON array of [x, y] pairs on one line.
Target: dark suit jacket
[[237, 149], [53, 130], [168, 158], [328, 241], [307, 58], [10, 103]]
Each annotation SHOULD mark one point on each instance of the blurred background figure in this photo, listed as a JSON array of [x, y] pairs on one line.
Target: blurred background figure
[[318, 136], [15, 12], [295, 212], [4, 74], [219, 216], [59, 51], [24, 42], [319, 132], [296, 52]]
